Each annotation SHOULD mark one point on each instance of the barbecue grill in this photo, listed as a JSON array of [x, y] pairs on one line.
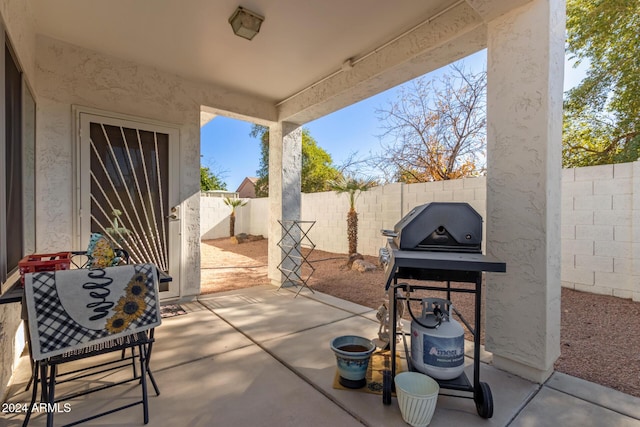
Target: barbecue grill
[[439, 242], [441, 227]]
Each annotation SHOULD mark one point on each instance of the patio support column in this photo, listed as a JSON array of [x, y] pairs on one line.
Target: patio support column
[[285, 165], [525, 61]]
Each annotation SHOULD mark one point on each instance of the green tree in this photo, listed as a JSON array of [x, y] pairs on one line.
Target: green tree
[[352, 187], [262, 184], [233, 204], [317, 168], [601, 114], [210, 181]]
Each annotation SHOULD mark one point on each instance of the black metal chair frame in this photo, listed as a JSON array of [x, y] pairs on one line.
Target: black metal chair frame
[[46, 371]]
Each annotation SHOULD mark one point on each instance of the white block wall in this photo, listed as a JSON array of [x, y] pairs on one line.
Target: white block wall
[[600, 221], [214, 217], [378, 208], [254, 218], [599, 229]]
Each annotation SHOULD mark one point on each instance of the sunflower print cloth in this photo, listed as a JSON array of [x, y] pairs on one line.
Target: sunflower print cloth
[[71, 309], [130, 306]]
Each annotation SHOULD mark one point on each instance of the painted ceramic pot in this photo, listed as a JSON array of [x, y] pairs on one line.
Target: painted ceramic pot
[[352, 356]]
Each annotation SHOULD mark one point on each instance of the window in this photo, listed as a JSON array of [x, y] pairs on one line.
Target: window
[[13, 160], [17, 166]]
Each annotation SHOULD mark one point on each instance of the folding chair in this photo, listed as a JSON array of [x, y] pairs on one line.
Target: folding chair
[[80, 314]]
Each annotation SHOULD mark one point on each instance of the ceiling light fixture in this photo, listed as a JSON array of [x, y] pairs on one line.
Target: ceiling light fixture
[[245, 23], [347, 65]]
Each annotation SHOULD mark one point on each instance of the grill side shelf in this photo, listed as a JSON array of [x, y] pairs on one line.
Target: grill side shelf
[[440, 266], [447, 261]]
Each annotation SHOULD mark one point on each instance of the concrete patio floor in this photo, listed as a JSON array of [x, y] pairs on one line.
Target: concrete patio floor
[[259, 356]]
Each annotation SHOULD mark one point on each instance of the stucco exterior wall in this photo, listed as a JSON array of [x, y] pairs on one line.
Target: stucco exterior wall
[[525, 58], [17, 24], [10, 326], [70, 76], [63, 76]]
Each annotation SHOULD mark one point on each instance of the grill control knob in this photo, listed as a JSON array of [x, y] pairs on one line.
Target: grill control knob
[[383, 256]]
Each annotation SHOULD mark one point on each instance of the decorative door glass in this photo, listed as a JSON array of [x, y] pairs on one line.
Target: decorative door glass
[[129, 181]]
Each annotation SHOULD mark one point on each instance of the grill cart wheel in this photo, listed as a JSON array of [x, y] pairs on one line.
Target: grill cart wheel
[[387, 383], [484, 400]]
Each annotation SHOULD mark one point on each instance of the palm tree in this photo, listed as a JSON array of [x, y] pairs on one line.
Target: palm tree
[[233, 204], [353, 187]]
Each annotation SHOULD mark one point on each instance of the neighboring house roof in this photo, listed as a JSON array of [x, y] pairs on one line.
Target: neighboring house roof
[[247, 188]]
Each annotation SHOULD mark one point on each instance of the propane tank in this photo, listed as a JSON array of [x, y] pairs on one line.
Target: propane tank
[[437, 341]]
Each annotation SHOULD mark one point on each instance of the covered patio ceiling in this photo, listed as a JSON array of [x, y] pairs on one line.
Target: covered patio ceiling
[[299, 55], [170, 60]]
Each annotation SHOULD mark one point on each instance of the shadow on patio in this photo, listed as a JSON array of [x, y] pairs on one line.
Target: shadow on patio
[[261, 356]]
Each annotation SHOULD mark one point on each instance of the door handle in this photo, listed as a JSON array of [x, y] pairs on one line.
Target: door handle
[[175, 214]]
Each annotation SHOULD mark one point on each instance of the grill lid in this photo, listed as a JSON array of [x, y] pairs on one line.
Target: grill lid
[[440, 226]]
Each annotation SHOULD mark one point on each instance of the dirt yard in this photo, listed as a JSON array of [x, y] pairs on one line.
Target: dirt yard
[[599, 334]]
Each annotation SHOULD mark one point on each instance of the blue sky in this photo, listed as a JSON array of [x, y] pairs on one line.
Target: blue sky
[[229, 151]]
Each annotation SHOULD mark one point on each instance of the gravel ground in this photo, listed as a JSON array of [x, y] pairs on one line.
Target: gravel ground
[[599, 334]]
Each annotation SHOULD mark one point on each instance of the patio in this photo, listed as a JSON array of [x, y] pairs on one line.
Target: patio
[[83, 87], [259, 355]]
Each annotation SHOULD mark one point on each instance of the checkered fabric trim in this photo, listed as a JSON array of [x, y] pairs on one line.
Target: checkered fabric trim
[[151, 313], [57, 330]]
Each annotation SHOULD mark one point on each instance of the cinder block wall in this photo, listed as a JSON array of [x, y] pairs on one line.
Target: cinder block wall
[[253, 218], [600, 221], [329, 211], [379, 208], [214, 218], [600, 229]]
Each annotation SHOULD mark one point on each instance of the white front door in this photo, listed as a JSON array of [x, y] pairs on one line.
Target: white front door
[[128, 189]]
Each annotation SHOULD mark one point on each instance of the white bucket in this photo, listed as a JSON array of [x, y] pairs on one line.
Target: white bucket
[[417, 396]]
